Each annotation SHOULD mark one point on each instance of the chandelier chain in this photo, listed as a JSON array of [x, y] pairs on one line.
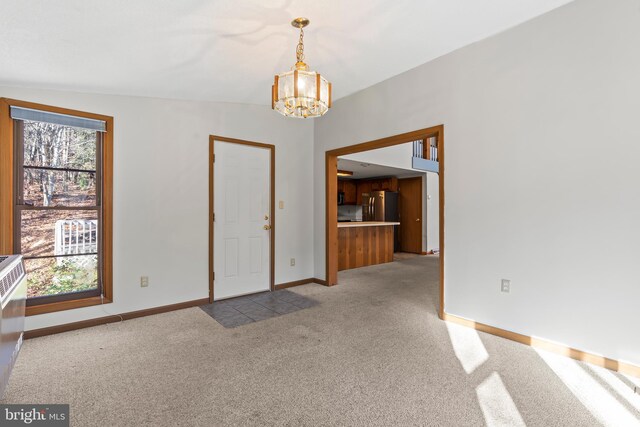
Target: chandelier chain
[[300, 47]]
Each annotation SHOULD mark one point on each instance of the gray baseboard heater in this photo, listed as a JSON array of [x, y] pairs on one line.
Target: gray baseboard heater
[[13, 298]]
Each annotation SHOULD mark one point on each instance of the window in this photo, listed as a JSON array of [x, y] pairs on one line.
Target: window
[[61, 204]]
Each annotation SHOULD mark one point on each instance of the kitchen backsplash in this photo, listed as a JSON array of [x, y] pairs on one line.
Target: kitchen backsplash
[[352, 212]]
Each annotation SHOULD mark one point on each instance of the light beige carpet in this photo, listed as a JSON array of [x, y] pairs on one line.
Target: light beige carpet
[[372, 353]]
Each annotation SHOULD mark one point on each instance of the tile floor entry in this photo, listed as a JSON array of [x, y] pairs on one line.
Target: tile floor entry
[[239, 311]]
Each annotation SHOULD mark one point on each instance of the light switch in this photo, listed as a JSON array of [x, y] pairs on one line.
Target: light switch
[[281, 204]]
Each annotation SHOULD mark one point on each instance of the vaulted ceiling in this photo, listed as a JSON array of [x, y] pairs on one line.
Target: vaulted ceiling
[[229, 50]]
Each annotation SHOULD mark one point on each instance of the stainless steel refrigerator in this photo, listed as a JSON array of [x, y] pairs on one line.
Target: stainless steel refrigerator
[[382, 206]]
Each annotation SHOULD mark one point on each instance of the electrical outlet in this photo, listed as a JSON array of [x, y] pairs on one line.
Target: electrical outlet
[[293, 262], [144, 281], [506, 286]]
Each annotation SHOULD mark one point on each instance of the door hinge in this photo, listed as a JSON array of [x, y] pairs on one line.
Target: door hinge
[[214, 158], [214, 216], [214, 275]]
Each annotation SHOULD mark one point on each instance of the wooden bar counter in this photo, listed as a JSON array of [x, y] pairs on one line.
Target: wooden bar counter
[[364, 243]]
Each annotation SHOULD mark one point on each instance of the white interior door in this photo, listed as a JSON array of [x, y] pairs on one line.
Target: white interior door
[[242, 192]]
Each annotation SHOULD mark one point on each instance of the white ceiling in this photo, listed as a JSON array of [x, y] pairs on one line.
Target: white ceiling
[[229, 50], [362, 170]]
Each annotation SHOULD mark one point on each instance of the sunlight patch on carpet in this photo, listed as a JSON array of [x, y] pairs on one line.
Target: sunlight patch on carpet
[[596, 399], [467, 346], [497, 404]]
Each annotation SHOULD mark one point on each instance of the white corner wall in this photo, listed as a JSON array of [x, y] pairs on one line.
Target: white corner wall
[[432, 198], [161, 190], [542, 152]]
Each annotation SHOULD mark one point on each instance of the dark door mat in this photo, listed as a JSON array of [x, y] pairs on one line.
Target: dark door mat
[[253, 308]]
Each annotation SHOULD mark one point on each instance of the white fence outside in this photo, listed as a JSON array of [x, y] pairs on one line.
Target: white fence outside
[[76, 236]]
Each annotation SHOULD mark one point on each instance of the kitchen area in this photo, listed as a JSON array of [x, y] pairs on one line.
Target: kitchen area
[[371, 206], [368, 221]]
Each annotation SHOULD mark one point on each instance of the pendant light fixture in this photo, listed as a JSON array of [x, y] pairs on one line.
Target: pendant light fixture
[[299, 92]]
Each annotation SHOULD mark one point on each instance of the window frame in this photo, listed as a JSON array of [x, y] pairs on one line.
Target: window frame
[[9, 208]]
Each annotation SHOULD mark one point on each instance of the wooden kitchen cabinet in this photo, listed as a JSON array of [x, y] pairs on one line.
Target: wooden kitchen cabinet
[[362, 187], [389, 184], [350, 190], [378, 184], [395, 186]]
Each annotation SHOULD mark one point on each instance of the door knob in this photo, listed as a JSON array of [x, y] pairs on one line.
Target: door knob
[[417, 219], [266, 217], [267, 227]]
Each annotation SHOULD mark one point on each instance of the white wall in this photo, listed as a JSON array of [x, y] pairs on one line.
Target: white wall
[[542, 150], [161, 193], [432, 199]]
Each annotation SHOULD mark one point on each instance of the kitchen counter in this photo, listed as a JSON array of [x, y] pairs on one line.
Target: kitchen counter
[[365, 243], [365, 224]]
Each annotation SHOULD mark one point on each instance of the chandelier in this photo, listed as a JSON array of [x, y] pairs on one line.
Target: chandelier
[[299, 92]]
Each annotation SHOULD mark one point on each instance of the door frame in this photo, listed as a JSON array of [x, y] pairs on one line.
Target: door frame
[[272, 205], [422, 225], [331, 191]]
